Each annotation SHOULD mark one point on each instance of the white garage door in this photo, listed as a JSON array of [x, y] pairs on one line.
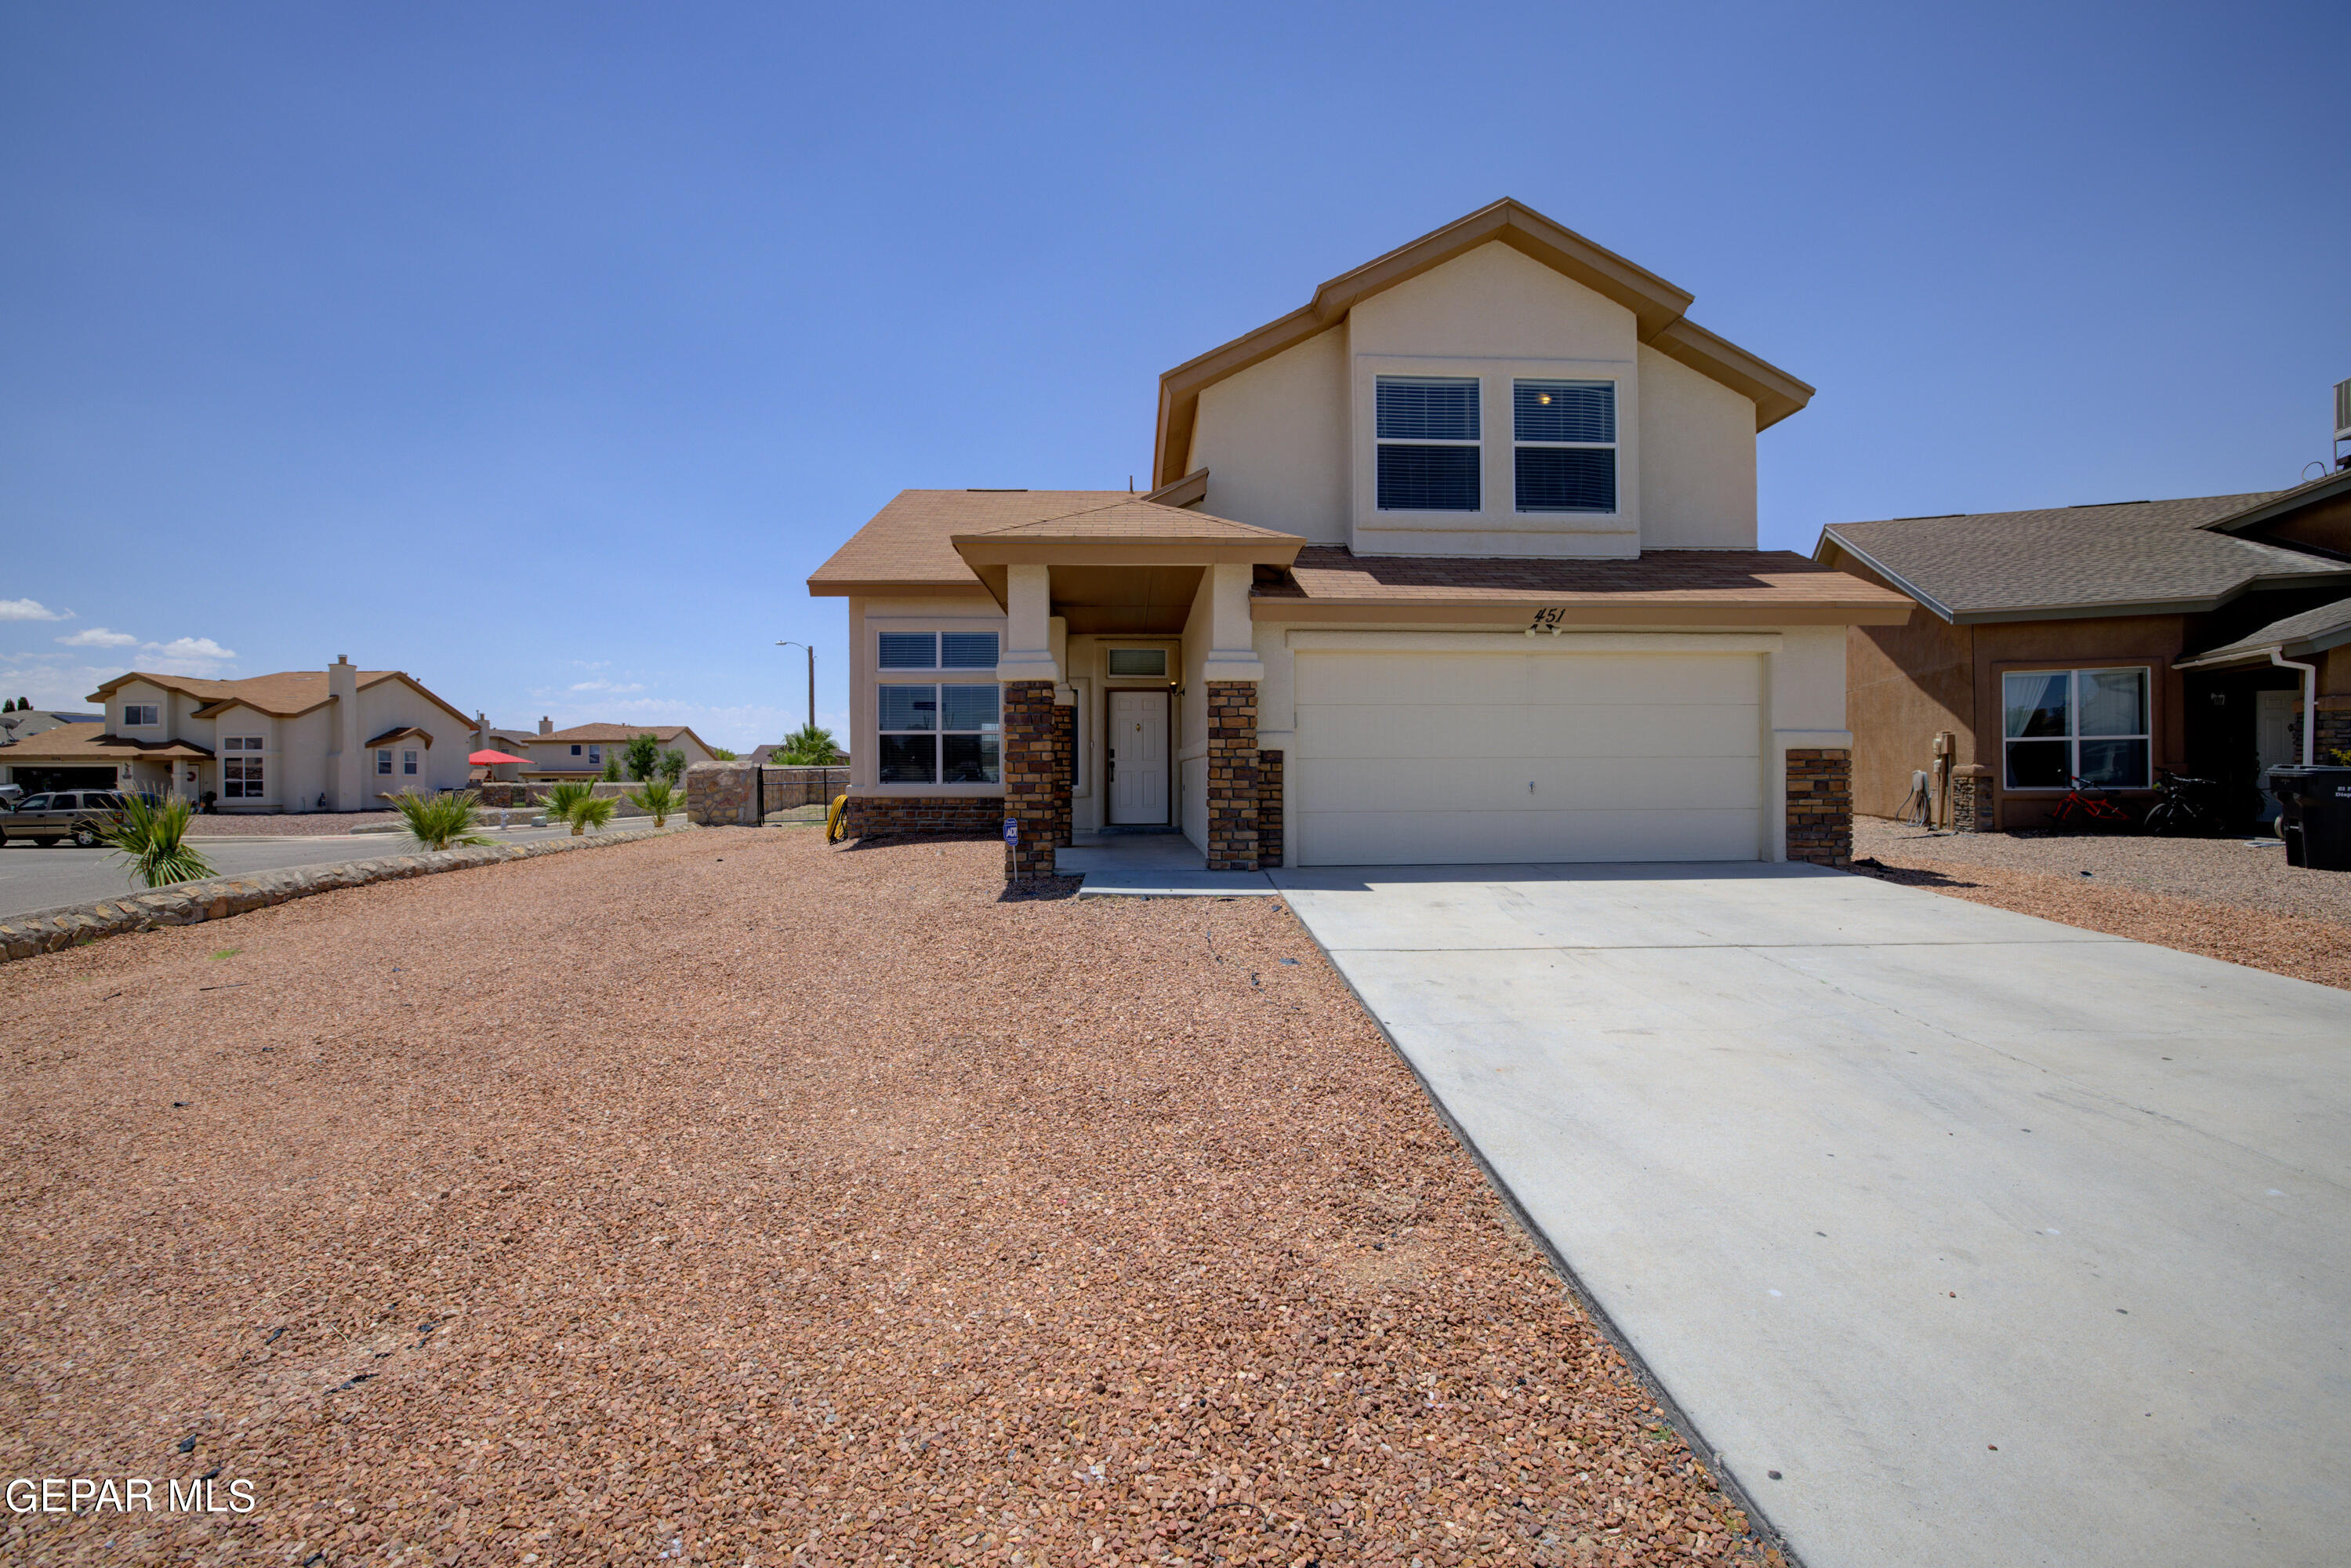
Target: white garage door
[[1453, 759]]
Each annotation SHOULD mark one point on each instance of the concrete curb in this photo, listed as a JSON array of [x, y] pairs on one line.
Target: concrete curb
[[193, 902]]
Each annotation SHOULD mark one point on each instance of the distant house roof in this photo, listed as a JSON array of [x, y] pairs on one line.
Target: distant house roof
[[390, 736], [90, 742], [602, 733], [2296, 636], [284, 695], [2067, 562]]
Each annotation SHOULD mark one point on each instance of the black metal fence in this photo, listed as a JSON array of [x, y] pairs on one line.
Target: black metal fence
[[797, 792]]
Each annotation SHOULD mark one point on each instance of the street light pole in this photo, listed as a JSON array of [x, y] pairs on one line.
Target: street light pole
[[811, 661]]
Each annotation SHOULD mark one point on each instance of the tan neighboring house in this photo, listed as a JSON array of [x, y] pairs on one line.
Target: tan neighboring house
[[1455, 563], [336, 739], [579, 752]]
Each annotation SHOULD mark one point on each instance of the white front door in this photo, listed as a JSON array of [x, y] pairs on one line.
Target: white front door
[[1138, 758], [2274, 716]]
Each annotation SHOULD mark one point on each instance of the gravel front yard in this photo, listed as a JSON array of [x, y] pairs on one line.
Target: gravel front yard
[[726, 1198], [2220, 897], [287, 825]]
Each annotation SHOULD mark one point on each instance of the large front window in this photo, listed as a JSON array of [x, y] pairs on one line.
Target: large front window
[[940, 734], [1427, 431], [1563, 455], [241, 769], [2061, 725]]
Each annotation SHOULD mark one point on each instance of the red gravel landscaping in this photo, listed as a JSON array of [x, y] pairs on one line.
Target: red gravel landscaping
[[727, 1198]]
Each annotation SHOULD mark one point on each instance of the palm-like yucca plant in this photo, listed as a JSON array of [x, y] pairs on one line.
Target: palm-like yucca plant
[[153, 839], [562, 798], [658, 799], [437, 822], [592, 813]]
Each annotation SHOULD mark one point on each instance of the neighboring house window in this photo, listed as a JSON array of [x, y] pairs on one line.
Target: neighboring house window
[[1564, 455], [2059, 724], [1426, 429], [384, 760], [940, 735], [938, 651], [241, 770], [408, 763], [595, 757], [140, 716], [575, 751]]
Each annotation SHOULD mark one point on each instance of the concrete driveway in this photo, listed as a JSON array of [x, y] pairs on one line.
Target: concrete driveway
[[1961, 1237]]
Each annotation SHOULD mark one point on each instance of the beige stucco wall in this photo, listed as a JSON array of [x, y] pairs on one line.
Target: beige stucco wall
[[868, 619], [1192, 719], [1274, 440], [1698, 459]]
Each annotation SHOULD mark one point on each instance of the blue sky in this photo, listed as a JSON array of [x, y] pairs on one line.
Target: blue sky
[[542, 353]]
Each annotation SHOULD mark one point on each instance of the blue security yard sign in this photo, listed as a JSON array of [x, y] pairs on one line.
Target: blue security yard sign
[[1011, 830]]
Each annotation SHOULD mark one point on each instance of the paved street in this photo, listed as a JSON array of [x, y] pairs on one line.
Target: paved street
[[34, 878], [1965, 1238]]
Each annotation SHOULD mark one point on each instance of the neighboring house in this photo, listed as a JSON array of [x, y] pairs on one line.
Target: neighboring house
[[26, 723], [2103, 641], [335, 739], [581, 751], [1455, 563]]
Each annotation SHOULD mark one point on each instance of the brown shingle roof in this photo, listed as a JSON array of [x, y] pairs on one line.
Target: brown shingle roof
[[578, 733], [908, 543], [1129, 517], [2124, 559], [2328, 626], [1330, 574], [281, 696], [90, 742], [389, 735]]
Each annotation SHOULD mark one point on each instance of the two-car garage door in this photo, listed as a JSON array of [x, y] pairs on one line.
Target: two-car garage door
[[1412, 757]]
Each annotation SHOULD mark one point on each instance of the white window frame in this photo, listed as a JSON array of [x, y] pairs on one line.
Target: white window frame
[[1615, 423], [1477, 444], [938, 732], [2073, 737], [408, 763], [383, 761], [251, 765]]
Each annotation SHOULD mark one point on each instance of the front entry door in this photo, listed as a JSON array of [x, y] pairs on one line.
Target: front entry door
[[2274, 716], [1138, 758]]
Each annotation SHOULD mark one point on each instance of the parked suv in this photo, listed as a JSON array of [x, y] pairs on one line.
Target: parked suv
[[82, 815]]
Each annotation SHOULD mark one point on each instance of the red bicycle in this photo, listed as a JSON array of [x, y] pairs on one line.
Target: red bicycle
[[2087, 806]]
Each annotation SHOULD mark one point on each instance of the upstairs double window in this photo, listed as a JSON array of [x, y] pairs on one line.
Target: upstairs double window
[[1429, 434]]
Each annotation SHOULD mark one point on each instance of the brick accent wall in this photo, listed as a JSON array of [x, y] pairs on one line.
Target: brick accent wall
[[1232, 775], [2333, 732], [888, 816], [1269, 810], [1820, 805], [1065, 744], [1033, 770]]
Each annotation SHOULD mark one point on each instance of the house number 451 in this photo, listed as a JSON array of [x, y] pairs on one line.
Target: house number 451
[[1549, 619]]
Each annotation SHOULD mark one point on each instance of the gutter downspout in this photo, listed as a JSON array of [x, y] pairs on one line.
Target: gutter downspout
[[2309, 702]]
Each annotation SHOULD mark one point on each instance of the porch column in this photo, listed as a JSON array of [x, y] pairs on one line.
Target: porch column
[[1231, 674], [1033, 728]]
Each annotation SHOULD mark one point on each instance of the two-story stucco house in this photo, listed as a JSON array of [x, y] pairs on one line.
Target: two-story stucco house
[[1455, 563], [337, 739]]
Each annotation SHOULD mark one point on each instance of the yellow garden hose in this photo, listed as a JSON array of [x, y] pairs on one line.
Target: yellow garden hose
[[834, 828]]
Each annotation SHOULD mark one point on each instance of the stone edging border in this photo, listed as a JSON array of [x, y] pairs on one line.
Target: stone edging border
[[193, 902]]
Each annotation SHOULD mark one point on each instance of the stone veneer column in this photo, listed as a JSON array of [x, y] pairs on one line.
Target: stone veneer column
[[1031, 744], [1820, 805], [1269, 810], [1232, 775], [1065, 756], [1971, 800]]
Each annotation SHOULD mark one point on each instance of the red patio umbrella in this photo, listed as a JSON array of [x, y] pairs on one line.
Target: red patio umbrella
[[492, 758]]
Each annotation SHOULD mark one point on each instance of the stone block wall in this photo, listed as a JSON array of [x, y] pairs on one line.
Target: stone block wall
[[1034, 771], [890, 816], [1065, 748], [1820, 805], [1269, 810], [2334, 730], [723, 794], [1232, 776], [1971, 800]]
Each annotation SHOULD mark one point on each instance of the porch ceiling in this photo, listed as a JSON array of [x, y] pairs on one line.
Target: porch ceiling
[[1125, 599]]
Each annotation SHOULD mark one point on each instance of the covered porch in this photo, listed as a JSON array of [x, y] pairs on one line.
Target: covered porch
[[1129, 675]]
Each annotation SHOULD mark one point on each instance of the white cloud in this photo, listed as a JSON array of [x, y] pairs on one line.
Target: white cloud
[[100, 637], [202, 650], [607, 686], [31, 610]]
